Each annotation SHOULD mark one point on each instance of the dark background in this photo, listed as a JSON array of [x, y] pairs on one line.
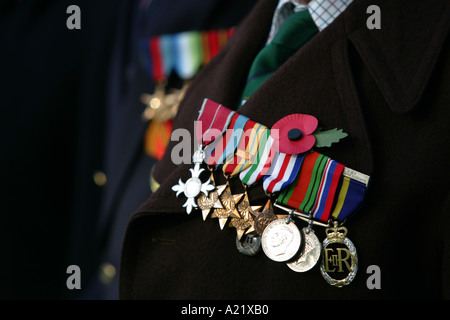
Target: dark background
[[53, 93], [46, 70]]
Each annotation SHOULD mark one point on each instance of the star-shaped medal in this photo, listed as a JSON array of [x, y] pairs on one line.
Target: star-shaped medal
[[244, 224], [206, 203], [160, 105], [264, 218], [228, 202]]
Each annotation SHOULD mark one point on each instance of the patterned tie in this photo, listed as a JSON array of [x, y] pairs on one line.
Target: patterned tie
[[296, 30]]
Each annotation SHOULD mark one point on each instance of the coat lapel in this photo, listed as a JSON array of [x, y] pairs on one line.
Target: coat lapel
[[401, 56]]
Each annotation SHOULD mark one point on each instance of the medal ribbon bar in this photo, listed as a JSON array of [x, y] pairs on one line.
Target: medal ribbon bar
[[184, 52], [223, 148], [246, 149], [212, 121], [262, 162], [283, 171]]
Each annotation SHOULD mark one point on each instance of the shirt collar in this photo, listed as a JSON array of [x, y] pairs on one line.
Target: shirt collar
[[323, 12]]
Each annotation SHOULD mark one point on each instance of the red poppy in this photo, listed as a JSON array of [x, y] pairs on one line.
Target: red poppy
[[294, 133]]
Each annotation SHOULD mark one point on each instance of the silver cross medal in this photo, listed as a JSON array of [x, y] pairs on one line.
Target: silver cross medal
[[194, 186]]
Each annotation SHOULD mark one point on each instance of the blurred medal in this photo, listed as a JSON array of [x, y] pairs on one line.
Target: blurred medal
[[249, 245], [181, 54]]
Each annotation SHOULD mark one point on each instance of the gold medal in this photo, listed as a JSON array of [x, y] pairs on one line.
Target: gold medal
[[228, 205], [206, 203], [244, 224]]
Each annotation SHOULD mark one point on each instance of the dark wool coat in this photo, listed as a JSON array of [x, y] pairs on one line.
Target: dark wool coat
[[389, 90]]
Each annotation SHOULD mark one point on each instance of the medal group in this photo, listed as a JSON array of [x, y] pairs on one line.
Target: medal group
[[301, 182], [181, 54]]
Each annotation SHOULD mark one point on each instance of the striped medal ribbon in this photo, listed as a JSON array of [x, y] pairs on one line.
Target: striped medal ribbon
[[263, 160], [222, 149], [323, 189], [181, 53], [246, 150], [282, 172], [351, 193], [184, 53], [212, 121], [314, 188]]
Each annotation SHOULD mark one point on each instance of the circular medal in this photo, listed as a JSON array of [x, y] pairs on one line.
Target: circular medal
[[250, 245], [310, 254], [281, 241], [339, 261]]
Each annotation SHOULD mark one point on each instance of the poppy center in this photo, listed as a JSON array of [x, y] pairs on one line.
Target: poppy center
[[294, 134]]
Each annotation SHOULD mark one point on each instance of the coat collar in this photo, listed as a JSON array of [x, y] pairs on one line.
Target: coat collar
[[400, 69]]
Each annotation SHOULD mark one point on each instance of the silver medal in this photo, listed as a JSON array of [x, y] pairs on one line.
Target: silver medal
[[281, 240], [310, 254], [194, 186]]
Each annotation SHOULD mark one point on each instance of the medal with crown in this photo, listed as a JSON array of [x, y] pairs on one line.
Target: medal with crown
[[340, 260]]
